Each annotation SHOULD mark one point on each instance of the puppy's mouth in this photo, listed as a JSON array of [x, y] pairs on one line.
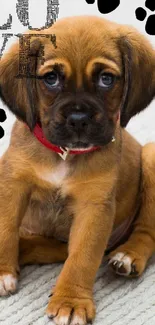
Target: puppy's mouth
[[79, 145], [85, 137]]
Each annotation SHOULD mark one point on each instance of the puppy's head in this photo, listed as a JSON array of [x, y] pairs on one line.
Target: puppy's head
[[77, 89]]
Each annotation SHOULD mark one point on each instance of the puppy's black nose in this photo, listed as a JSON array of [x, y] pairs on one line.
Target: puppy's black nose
[[78, 121]]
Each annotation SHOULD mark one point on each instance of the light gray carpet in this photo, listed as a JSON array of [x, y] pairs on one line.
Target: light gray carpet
[[119, 301]]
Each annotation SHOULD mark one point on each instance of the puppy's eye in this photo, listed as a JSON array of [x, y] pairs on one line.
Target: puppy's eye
[[106, 80], [52, 79]]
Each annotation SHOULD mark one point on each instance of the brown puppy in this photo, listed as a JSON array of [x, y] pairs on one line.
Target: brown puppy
[[75, 94]]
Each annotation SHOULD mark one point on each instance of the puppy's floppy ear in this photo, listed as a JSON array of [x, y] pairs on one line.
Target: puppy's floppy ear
[[138, 59], [16, 89]]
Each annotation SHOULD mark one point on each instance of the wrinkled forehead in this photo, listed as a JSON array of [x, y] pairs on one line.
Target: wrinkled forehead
[[80, 47]]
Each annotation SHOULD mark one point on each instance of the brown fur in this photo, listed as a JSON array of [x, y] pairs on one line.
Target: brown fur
[[101, 189]]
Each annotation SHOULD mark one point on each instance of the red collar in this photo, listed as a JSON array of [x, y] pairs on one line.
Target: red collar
[[63, 152]]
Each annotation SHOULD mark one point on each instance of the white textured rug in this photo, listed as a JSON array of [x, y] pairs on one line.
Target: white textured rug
[[119, 301]]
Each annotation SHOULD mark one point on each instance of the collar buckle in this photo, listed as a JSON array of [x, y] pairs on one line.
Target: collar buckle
[[64, 154]]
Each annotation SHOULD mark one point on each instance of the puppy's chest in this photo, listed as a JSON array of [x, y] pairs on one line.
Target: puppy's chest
[[57, 176], [48, 212]]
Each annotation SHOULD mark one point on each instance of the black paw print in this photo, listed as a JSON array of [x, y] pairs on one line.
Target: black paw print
[[141, 14], [2, 119], [106, 6]]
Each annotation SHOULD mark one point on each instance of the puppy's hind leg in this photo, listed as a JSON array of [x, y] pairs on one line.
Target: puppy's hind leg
[[131, 258], [41, 250]]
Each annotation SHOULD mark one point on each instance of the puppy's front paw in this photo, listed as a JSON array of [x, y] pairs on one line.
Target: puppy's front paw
[[8, 284], [71, 311], [127, 263]]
